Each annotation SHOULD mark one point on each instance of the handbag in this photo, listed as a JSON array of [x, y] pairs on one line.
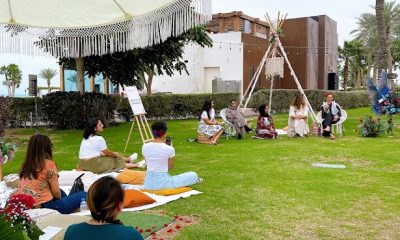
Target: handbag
[[77, 186]]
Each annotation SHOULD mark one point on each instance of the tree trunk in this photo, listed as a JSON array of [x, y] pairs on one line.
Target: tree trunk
[[80, 75], [374, 74], [381, 28], [149, 82], [357, 82], [48, 87], [360, 77], [12, 89], [346, 73], [369, 71], [9, 90]]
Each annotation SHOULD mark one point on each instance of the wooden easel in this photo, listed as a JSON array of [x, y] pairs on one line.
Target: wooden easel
[[144, 130]]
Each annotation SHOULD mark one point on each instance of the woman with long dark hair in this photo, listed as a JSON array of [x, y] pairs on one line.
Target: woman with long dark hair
[[94, 155], [105, 201], [298, 114], [39, 178], [208, 125], [265, 124]]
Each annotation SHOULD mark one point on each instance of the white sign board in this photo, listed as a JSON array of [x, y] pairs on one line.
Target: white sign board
[[134, 100]]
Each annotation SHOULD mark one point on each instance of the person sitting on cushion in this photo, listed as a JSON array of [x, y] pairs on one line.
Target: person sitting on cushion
[[94, 155], [236, 117], [298, 114], [105, 201], [39, 178], [330, 114], [265, 124], [208, 125], [159, 158]]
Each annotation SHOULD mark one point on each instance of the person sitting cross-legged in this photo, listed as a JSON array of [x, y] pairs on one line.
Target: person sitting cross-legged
[[265, 125], [160, 159], [208, 125], [236, 117], [298, 114]]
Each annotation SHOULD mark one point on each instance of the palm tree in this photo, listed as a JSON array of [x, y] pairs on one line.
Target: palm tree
[[13, 77], [381, 29], [353, 54], [368, 33], [48, 74]]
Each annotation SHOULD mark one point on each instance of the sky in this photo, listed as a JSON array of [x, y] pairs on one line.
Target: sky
[[344, 12]]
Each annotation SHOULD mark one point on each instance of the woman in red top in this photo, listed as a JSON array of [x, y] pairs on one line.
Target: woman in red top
[[265, 124], [39, 178]]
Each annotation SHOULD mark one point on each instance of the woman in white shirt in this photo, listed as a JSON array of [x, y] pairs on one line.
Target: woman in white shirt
[[159, 158], [94, 155], [298, 114], [208, 125]]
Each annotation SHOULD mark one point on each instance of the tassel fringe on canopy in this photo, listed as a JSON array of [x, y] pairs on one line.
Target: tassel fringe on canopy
[[137, 32]]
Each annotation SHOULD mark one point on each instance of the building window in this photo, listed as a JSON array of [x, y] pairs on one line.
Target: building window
[[247, 26]]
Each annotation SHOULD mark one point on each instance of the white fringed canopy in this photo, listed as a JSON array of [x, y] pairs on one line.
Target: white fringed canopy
[[78, 28]]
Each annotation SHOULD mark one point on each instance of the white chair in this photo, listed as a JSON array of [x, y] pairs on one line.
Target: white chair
[[229, 128], [338, 126]]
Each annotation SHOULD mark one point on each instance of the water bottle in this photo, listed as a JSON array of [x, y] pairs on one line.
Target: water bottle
[[83, 205]]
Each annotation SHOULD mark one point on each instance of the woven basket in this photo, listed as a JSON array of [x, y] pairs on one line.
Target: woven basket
[[202, 138]]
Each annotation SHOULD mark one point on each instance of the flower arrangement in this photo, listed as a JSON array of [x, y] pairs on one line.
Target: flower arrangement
[[383, 99], [370, 127], [15, 223], [6, 151], [389, 104]]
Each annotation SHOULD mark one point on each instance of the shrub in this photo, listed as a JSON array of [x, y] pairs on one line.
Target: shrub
[[282, 98], [68, 110], [21, 109], [165, 106], [5, 103]]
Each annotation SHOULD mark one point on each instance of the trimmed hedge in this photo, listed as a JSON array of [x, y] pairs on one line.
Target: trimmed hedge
[[5, 103], [282, 98], [21, 109], [173, 106], [69, 110]]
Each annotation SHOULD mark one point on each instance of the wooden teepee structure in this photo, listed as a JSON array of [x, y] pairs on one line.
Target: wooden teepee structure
[[274, 65]]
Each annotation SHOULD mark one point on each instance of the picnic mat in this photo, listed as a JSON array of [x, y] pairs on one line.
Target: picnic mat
[[146, 224]]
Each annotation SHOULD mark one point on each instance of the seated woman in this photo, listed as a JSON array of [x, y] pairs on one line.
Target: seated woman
[[236, 117], [160, 159], [265, 124], [39, 178], [330, 114], [208, 125], [298, 113], [94, 155], [105, 200]]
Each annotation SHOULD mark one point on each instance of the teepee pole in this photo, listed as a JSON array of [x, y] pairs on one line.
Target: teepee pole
[[313, 116]]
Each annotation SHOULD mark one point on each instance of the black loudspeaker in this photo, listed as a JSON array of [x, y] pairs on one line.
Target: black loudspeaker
[[32, 85], [332, 81]]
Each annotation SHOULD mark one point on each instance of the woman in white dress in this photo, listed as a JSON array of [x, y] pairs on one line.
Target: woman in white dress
[[208, 125], [298, 114]]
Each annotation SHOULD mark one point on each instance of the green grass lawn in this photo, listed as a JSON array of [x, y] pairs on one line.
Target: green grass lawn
[[267, 189]]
